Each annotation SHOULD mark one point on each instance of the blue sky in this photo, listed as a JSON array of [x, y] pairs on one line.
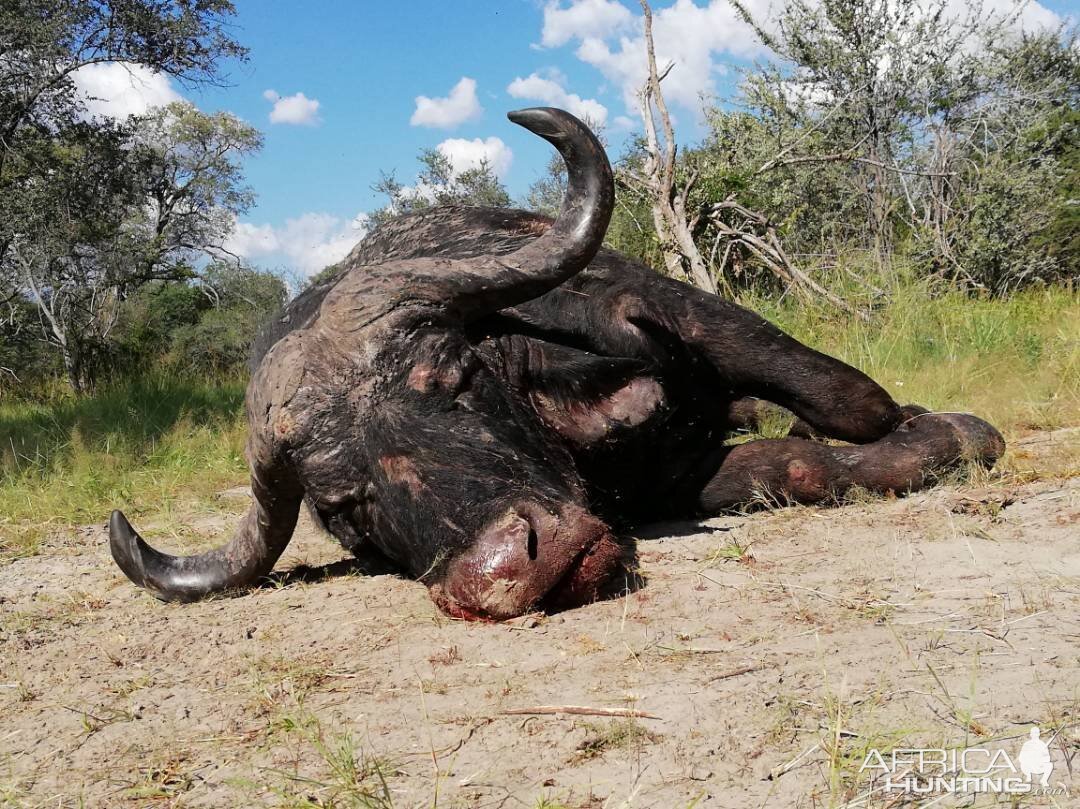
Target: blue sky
[[333, 85], [365, 64]]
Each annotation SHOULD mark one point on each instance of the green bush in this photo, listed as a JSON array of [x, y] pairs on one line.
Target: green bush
[[218, 343], [150, 318]]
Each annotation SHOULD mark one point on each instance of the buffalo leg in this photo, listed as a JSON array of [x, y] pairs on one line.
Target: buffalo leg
[[754, 358], [795, 470]]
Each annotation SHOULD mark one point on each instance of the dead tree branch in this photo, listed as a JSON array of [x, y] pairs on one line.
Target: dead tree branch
[[657, 180], [759, 237]]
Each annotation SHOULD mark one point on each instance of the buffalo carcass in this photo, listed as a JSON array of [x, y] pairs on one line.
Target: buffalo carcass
[[482, 395]]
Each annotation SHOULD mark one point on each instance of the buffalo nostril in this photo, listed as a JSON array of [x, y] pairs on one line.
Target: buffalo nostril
[[532, 543]]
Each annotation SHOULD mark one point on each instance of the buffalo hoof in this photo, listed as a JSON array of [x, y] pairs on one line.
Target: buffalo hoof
[[952, 437]]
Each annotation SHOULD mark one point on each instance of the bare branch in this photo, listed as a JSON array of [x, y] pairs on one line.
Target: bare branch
[[669, 203]]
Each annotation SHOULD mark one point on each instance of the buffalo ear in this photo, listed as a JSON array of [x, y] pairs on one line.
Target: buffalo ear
[[584, 397]]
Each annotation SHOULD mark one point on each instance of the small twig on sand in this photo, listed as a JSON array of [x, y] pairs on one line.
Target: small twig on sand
[[579, 710], [85, 714], [783, 768], [736, 672]]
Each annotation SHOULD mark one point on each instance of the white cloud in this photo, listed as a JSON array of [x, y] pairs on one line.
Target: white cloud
[[468, 154], [693, 37], [1032, 17], [551, 91], [307, 243], [294, 109], [120, 89], [583, 18], [446, 113], [252, 241]]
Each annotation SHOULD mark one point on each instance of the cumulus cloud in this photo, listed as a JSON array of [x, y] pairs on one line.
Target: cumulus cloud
[[307, 243], [252, 241], [446, 113], [550, 91], [581, 19], [121, 89], [468, 154], [295, 109]]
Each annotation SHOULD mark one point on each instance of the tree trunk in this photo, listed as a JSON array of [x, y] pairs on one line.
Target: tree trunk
[[74, 371], [672, 257], [697, 269]]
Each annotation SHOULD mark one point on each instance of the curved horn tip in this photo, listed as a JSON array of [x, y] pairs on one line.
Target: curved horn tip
[[543, 120], [130, 551], [525, 114], [124, 546]]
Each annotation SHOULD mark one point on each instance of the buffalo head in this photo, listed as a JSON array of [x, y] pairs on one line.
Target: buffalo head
[[380, 412]]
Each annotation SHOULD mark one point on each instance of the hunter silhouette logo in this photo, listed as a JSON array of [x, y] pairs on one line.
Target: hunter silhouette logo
[[1035, 758]]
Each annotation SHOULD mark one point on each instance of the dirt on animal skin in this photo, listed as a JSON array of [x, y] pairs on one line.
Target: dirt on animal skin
[[770, 652]]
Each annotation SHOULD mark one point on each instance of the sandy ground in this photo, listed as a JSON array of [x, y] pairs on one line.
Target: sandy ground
[[771, 651]]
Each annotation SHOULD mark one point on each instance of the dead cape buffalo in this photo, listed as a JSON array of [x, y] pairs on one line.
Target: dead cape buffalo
[[479, 395]]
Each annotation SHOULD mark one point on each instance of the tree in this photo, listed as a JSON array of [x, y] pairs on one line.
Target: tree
[[876, 80], [188, 163], [114, 213], [205, 325], [68, 190], [439, 183], [44, 42], [938, 119], [61, 217], [22, 353], [1005, 212], [1060, 238], [656, 177], [679, 215]]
